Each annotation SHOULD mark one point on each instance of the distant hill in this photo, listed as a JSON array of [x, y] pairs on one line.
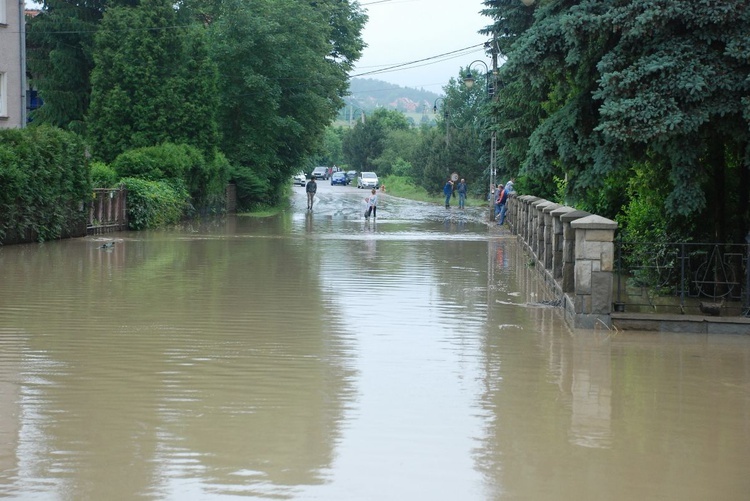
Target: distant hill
[[368, 94]]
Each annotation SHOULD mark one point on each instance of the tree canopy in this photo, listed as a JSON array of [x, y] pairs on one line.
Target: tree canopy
[[257, 81], [596, 92]]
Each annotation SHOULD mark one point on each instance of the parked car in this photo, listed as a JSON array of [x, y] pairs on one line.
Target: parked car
[[320, 173], [339, 178], [299, 179], [351, 175], [368, 180]]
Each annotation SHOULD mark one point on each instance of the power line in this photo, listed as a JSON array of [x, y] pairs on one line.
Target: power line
[[429, 60]]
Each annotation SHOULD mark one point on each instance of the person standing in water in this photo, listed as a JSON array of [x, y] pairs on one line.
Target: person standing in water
[[448, 192], [372, 205], [461, 189], [311, 189]]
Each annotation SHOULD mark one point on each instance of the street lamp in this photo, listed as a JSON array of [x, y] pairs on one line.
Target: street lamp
[[490, 88], [469, 78], [352, 110]]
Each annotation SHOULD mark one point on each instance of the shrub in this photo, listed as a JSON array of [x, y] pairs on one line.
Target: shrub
[[252, 189], [152, 204], [102, 175], [44, 180], [157, 163], [205, 180], [207, 183]]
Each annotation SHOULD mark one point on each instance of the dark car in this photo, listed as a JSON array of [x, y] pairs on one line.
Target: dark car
[[351, 175], [339, 178], [320, 173]]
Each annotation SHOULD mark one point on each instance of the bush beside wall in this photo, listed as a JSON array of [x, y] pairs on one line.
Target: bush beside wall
[[44, 184], [152, 204]]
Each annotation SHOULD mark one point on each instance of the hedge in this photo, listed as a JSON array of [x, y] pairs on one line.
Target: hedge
[[44, 183]]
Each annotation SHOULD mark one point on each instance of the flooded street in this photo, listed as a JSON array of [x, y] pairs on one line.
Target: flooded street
[[319, 356]]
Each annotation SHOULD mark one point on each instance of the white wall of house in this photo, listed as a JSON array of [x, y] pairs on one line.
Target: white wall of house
[[12, 95]]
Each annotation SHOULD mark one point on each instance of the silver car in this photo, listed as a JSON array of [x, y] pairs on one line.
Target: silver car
[[368, 180], [320, 173]]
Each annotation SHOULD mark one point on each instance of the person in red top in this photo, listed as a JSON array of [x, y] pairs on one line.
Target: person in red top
[[499, 193], [502, 198]]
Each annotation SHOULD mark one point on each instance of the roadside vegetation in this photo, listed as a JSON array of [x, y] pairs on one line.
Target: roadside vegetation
[[637, 112], [634, 111], [176, 100]]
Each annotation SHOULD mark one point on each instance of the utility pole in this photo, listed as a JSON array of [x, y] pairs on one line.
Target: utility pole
[[493, 140]]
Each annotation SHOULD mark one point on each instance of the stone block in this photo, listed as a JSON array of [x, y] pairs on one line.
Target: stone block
[[601, 292], [608, 260], [583, 276], [568, 277], [600, 235], [592, 250]]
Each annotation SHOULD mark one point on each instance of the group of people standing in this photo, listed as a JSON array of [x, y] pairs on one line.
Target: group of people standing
[[501, 194], [449, 190]]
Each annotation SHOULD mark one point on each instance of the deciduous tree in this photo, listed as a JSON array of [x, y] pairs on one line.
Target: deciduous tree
[[153, 82]]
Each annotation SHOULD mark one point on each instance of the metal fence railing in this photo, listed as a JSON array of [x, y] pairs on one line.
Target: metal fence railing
[[686, 278], [108, 210]]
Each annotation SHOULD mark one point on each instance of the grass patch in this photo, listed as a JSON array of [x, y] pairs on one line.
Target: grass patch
[[263, 212], [403, 187]]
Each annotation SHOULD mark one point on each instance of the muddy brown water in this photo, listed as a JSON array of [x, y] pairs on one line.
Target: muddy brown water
[[318, 356]]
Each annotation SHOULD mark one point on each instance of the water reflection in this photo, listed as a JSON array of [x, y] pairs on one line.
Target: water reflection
[[574, 414], [320, 356], [187, 353]]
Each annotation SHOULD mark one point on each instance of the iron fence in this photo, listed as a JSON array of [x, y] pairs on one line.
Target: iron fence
[[685, 278], [108, 210]]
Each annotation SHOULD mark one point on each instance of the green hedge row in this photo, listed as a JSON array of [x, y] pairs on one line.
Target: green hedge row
[[44, 183], [204, 179], [152, 204]]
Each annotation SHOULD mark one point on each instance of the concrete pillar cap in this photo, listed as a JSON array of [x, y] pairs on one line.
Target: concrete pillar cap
[[563, 209], [594, 222], [572, 216], [548, 208]]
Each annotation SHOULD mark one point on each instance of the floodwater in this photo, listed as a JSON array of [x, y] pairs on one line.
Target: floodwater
[[316, 356]]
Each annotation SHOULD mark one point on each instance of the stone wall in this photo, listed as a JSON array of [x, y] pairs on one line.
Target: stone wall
[[574, 252]]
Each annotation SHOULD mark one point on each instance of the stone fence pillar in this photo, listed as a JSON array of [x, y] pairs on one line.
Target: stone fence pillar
[[525, 219], [558, 242], [594, 269], [569, 248], [537, 237], [546, 237]]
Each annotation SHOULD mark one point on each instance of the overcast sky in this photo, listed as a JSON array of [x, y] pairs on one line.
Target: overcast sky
[[440, 33], [402, 31]]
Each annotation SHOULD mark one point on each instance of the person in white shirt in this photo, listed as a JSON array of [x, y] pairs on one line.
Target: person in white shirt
[[372, 205]]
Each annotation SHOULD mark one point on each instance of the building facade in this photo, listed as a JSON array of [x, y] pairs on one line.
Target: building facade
[[12, 64]]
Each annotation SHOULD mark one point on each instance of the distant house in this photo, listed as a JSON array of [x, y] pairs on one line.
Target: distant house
[[404, 104], [12, 64]]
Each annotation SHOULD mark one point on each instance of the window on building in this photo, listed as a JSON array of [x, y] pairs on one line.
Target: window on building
[[3, 13]]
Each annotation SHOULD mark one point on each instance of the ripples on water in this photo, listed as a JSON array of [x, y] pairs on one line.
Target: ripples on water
[[315, 356]]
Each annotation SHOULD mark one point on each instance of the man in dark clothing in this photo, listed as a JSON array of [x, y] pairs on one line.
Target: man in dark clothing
[[448, 192], [311, 188], [461, 189]]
